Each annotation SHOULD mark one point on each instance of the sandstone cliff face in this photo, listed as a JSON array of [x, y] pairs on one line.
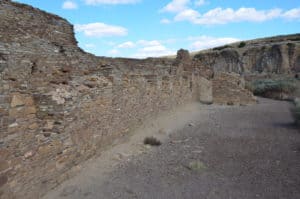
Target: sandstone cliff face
[[60, 106], [270, 55]]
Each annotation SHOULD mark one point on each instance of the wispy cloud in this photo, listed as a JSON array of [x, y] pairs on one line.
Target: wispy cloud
[[184, 11], [112, 2], [200, 2], [128, 44], [206, 42], [165, 21], [152, 48], [175, 6], [292, 14], [228, 15], [143, 49], [69, 5], [114, 52], [100, 30]]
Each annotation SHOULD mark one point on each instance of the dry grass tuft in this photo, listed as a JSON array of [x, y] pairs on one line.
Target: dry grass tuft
[[152, 141]]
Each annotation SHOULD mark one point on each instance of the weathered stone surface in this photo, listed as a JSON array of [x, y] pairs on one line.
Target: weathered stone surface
[[269, 55], [229, 88], [3, 180], [17, 100], [3, 165], [205, 91]]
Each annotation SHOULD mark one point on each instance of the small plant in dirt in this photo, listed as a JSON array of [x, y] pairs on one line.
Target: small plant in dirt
[[242, 45], [152, 141], [197, 166]]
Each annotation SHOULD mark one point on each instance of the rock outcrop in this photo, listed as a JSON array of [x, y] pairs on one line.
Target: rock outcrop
[[279, 55], [60, 106]]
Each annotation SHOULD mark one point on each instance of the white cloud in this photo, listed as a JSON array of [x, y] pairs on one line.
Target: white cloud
[[113, 52], [205, 42], [292, 14], [127, 44], [69, 5], [187, 15], [165, 21], [175, 6], [143, 48], [151, 48], [100, 30], [199, 2], [184, 12], [114, 2], [228, 15], [148, 43]]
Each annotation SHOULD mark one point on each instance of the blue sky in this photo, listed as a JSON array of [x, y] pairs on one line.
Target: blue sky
[[150, 28]]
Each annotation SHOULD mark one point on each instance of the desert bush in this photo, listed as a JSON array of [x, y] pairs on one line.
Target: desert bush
[[152, 141], [295, 39], [242, 44], [222, 47], [265, 86]]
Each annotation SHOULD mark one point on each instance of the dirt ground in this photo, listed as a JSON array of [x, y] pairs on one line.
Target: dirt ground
[[215, 152]]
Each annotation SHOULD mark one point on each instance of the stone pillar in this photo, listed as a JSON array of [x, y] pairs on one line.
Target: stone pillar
[[205, 91]]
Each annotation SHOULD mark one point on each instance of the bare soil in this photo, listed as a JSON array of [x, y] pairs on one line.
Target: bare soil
[[209, 152]]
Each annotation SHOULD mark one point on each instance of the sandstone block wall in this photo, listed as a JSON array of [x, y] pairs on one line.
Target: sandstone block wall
[[229, 88], [205, 91], [60, 106]]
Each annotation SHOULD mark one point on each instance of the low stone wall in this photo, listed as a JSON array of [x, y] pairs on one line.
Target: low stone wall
[[229, 88]]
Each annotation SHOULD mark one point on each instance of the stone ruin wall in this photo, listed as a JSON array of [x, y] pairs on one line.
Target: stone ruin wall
[[229, 88], [59, 106]]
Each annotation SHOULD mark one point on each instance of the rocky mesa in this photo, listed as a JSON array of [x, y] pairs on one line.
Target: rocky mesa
[[278, 55]]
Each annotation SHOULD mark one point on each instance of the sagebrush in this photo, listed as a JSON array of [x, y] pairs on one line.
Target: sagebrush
[[264, 86]]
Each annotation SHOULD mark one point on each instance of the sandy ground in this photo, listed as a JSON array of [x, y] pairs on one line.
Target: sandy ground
[[209, 152]]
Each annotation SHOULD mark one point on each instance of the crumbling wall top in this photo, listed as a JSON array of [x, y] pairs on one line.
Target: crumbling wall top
[[21, 23]]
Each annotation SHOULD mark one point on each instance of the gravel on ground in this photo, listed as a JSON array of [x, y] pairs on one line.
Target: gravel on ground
[[224, 152]]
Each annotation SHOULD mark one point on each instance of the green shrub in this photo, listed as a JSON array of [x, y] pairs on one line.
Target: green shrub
[[222, 47], [242, 44], [198, 56], [262, 87], [295, 39]]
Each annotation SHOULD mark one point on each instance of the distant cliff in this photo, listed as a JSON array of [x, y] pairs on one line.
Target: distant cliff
[[278, 55]]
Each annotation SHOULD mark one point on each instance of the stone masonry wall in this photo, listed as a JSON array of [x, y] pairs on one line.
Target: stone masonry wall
[[229, 88], [60, 106]]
